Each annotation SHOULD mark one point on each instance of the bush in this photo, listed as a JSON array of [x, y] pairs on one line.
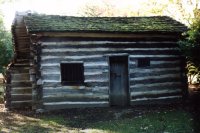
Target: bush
[[6, 48], [190, 46]]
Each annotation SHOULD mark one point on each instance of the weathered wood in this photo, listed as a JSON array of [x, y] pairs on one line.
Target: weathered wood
[[174, 75], [21, 104], [157, 80], [64, 105], [75, 97], [157, 85], [156, 93], [21, 97], [79, 50], [156, 101], [74, 90], [21, 76], [134, 52], [72, 57], [41, 85], [107, 44], [151, 73], [59, 59], [16, 90]]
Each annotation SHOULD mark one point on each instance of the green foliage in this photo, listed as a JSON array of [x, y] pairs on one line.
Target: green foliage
[[6, 49], [191, 46]]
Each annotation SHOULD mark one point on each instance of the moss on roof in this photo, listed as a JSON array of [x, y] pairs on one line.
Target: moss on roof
[[56, 23]]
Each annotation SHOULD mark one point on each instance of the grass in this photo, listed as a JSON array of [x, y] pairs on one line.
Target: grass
[[169, 121], [131, 120]]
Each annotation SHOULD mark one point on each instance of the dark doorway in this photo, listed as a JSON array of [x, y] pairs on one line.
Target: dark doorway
[[119, 85]]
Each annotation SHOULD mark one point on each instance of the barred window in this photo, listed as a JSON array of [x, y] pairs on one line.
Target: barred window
[[143, 62], [72, 73]]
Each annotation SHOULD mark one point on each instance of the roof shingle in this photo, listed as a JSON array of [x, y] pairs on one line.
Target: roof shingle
[[56, 23]]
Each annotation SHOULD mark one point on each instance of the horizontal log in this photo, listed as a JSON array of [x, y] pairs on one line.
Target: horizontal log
[[157, 101], [156, 93], [20, 76], [96, 80], [153, 70], [90, 64], [131, 52], [147, 74], [152, 66], [64, 105], [156, 80], [85, 64], [86, 81], [51, 77], [153, 62], [19, 81], [158, 58], [21, 97], [74, 90], [97, 77], [75, 98], [71, 57], [57, 77], [81, 58], [22, 90], [155, 77], [21, 104], [20, 84], [154, 56], [99, 84], [60, 59], [167, 87], [105, 44], [87, 71], [57, 66], [19, 69], [157, 85], [68, 50]]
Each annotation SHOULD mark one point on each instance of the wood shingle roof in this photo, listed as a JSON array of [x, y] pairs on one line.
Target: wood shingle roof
[[55, 23]]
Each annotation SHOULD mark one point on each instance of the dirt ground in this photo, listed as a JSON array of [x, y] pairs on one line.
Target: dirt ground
[[10, 121]]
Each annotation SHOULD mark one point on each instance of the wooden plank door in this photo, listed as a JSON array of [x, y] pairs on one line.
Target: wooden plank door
[[119, 88]]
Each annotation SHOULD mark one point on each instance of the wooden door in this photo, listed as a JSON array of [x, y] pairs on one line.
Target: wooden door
[[119, 88]]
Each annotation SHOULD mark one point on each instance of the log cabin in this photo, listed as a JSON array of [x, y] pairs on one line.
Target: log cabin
[[71, 62]]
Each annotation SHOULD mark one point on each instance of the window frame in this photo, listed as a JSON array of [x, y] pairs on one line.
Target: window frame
[[65, 82]]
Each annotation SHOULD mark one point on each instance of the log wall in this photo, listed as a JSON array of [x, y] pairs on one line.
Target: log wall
[[161, 81]]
